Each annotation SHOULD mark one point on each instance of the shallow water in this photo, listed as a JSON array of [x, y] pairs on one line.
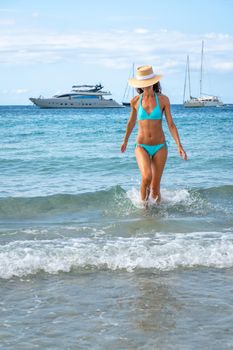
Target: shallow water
[[83, 265]]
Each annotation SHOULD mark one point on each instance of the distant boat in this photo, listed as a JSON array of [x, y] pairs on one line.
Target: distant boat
[[204, 100], [81, 96], [129, 91]]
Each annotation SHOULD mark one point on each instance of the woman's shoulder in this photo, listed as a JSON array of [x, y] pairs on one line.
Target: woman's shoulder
[[134, 101], [163, 98]]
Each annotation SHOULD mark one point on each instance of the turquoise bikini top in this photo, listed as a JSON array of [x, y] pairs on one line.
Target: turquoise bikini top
[[156, 114]]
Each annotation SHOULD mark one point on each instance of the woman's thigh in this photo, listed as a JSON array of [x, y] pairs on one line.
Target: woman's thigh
[[144, 162], [157, 166]]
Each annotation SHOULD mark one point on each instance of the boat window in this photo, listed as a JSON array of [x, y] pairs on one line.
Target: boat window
[[65, 95], [86, 97]]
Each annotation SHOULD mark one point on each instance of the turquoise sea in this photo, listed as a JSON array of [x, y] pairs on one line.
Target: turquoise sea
[[83, 265]]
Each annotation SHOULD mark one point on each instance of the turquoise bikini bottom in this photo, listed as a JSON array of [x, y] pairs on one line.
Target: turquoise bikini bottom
[[151, 149]]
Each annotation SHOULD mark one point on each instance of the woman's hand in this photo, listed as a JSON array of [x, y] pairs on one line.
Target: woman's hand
[[123, 147], [182, 152]]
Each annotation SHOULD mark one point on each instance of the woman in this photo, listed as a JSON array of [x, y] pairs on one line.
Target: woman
[[151, 147]]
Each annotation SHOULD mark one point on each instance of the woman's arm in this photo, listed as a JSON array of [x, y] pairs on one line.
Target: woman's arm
[[172, 127], [131, 123]]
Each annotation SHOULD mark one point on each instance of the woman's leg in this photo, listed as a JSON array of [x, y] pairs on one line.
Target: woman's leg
[[144, 164], [157, 165]]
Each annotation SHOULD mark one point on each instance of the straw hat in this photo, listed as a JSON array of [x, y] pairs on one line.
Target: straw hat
[[144, 77]]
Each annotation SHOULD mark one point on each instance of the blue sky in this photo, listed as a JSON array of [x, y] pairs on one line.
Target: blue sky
[[47, 46]]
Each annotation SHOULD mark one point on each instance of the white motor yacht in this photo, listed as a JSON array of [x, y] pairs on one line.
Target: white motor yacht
[[81, 96]]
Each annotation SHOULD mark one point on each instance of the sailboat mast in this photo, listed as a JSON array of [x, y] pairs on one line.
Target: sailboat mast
[[127, 88], [187, 73], [189, 77], [185, 79], [202, 50], [133, 76]]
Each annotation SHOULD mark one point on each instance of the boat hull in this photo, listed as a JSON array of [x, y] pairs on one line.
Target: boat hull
[[189, 104], [199, 103], [72, 103]]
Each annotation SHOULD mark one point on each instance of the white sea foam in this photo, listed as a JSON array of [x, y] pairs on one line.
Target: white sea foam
[[134, 196], [159, 252], [31, 231], [175, 196], [168, 197]]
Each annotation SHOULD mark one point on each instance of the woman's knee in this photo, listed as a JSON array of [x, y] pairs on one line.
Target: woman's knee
[[146, 179]]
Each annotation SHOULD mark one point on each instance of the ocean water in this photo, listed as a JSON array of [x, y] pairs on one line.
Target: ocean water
[[83, 265]]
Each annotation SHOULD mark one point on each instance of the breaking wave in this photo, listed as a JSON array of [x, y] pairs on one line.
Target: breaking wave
[[117, 200], [162, 252]]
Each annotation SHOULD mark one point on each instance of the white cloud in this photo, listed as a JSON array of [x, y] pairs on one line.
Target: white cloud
[[131, 18], [35, 14], [223, 66], [141, 30], [7, 10], [21, 91], [7, 22], [117, 49]]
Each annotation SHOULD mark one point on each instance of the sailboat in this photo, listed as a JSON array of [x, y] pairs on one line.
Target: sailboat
[[204, 100], [129, 91]]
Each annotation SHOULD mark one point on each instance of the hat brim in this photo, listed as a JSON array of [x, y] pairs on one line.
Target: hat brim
[[144, 83]]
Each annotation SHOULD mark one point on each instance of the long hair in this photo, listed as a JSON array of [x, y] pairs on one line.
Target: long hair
[[156, 87]]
